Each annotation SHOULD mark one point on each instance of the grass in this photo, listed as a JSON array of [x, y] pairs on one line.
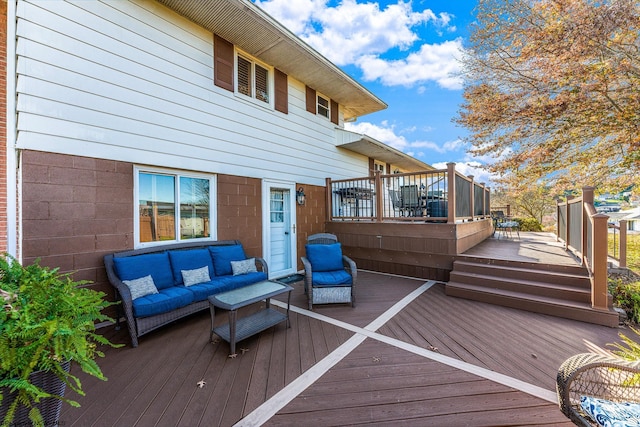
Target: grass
[[633, 249]]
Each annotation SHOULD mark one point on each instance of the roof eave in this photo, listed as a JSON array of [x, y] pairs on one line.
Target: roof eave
[[257, 33]]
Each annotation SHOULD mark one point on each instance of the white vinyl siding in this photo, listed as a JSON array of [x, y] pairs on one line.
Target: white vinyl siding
[[133, 81]]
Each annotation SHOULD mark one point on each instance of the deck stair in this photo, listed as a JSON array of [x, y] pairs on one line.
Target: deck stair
[[556, 290]]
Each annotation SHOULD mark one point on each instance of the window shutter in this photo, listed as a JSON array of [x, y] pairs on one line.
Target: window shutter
[[281, 101], [334, 112], [311, 100], [372, 165], [222, 63]]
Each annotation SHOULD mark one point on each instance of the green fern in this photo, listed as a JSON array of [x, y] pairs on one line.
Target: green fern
[[46, 318]]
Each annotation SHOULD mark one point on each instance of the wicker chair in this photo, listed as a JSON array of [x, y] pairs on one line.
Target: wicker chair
[[322, 291], [599, 376]]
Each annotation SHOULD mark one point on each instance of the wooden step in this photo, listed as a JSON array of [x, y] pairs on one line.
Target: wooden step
[[530, 287], [535, 303], [576, 278], [557, 290]]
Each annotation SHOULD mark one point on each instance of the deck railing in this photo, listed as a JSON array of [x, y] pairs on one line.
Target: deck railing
[[619, 246], [584, 232], [442, 195]]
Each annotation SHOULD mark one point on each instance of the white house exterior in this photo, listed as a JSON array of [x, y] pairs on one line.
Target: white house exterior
[[133, 123]]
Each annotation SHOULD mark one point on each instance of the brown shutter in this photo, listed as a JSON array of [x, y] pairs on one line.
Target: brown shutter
[[334, 112], [388, 170], [311, 100], [281, 95], [222, 63], [372, 163]]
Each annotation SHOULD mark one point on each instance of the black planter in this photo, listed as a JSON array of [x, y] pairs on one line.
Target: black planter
[[49, 407]]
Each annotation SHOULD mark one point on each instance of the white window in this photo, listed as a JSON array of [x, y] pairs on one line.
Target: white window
[[253, 79], [323, 107], [173, 206]]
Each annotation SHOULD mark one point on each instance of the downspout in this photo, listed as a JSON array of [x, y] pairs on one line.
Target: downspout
[[13, 206]]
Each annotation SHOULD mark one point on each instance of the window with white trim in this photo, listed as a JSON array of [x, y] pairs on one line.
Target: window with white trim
[[253, 79], [173, 206], [324, 106]]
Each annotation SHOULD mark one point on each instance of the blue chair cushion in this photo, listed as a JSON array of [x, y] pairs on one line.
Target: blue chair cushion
[[222, 284], [222, 257], [165, 300], [157, 265], [611, 414], [331, 278], [189, 260], [325, 257]]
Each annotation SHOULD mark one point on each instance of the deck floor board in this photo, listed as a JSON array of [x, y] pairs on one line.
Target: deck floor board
[[376, 383]]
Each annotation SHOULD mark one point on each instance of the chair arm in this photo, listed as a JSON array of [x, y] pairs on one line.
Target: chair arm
[[124, 293], [350, 265], [601, 376], [262, 264]]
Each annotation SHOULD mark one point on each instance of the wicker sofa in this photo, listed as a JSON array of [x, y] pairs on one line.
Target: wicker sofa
[[178, 284], [604, 384]]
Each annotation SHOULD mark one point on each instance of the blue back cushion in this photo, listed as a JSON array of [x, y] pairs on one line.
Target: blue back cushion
[[325, 257], [189, 259], [156, 265], [223, 255]]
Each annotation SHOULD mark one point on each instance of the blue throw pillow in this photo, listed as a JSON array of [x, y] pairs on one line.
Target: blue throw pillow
[[156, 265], [325, 257], [222, 257], [189, 259]]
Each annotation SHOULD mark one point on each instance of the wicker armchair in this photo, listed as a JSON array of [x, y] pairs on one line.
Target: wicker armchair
[[318, 286], [599, 376]]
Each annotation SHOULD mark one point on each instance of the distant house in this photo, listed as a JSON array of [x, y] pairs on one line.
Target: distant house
[[633, 219], [140, 122]]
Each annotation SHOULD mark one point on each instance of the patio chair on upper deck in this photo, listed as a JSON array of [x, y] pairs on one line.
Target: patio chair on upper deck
[[410, 200], [329, 276]]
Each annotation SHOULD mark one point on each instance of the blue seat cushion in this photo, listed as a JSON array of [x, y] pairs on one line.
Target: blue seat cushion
[[222, 284], [325, 257], [190, 259], [331, 278], [222, 257], [611, 414], [157, 265], [165, 300]]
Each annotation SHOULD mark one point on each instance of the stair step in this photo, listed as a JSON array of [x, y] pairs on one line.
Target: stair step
[[576, 278], [524, 286], [536, 303], [533, 266]]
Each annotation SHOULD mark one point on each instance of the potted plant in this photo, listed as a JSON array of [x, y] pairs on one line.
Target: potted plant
[[47, 321]]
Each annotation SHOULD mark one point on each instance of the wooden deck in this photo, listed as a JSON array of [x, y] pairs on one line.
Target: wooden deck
[[405, 355]]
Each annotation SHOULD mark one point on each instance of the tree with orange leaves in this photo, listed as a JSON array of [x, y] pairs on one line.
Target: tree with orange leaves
[[552, 91]]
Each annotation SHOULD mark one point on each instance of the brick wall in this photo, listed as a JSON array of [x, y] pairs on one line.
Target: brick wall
[[311, 217], [3, 126], [77, 209], [74, 211], [240, 211]]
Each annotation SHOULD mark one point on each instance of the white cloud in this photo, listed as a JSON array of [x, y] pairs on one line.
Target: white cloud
[[359, 33], [387, 133], [438, 62], [471, 168]]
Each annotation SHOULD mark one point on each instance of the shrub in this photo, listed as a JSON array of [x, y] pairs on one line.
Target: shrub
[[626, 295], [529, 224]]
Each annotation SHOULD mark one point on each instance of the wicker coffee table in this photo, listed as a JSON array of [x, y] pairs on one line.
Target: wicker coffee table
[[239, 329]]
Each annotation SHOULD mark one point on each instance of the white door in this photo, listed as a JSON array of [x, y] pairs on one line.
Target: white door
[[279, 231]]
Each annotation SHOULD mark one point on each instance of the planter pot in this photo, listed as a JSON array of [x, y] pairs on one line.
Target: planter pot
[[49, 408]]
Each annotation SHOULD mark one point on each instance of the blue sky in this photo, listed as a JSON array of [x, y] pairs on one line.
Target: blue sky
[[406, 53]]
